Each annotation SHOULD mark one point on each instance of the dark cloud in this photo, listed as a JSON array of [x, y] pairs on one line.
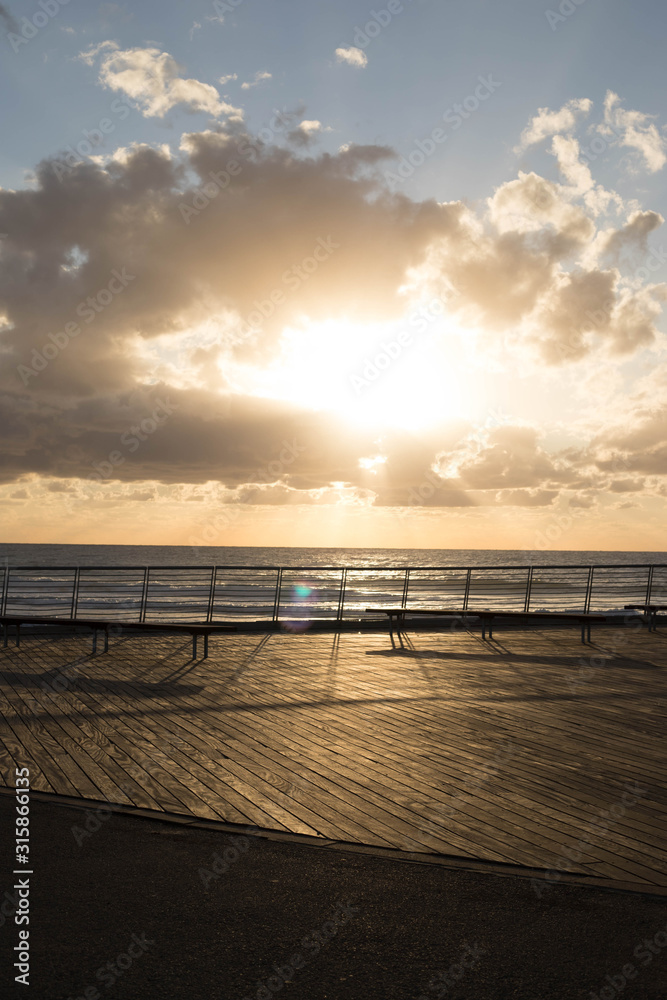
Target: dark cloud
[[106, 261], [631, 240], [526, 498], [260, 236], [509, 459], [639, 448], [8, 19]]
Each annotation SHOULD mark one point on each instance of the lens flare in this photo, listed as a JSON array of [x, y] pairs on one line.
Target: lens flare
[[301, 598]]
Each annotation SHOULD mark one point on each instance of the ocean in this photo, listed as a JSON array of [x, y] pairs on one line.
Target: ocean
[[152, 583], [54, 555]]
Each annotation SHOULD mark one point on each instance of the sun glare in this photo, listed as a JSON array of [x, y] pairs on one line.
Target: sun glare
[[370, 375]]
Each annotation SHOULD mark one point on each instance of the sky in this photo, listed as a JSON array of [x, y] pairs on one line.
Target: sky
[[334, 275]]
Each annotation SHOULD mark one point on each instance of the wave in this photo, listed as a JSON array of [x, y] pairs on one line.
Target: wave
[[264, 593]]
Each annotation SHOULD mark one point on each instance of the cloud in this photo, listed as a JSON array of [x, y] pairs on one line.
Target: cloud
[[352, 56], [531, 202], [179, 330], [631, 239], [306, 132], [152, 79], [278, 494], [567, 151], [127, 213], [526, 498], [91, 54], [8, 18], [546, 122], [60, 487], [595, 198], [582, 501], [587, 307], [531, 271], [260, 76], [626, 485], [509, 459], [425, 493], [635, 130], [246, 445], [225, 79], [630, 449], [640, 448], [570, 156]]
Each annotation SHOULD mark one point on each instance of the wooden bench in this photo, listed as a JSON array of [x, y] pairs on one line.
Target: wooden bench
[[195, 629], [650, 613], [487, 617]]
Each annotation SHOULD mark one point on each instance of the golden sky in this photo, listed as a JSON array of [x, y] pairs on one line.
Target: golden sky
[[231, 333]]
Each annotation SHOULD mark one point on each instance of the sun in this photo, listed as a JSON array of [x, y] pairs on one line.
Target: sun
[[370, 375]]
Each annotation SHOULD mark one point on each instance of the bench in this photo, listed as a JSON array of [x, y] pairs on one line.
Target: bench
[[195, 629], [487, 616], [650, 613]]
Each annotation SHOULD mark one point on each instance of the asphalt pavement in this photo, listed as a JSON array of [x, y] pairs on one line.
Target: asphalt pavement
[[130, 908]]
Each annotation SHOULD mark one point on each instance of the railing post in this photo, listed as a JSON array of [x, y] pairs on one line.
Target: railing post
[[5, 589], [406, 584], [75, 592], [211, 596], [467, 591], [649, 585], [341, 594], [144, 596], [276, 601], [529, 587], [589, 590]]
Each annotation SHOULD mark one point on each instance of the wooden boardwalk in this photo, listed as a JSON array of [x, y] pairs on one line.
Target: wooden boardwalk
[[521, 751]]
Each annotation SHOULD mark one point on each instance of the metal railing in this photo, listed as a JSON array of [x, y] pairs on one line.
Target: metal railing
[[283, 594]]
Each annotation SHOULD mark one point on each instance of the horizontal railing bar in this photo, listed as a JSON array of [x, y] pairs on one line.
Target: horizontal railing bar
[[265, 593]]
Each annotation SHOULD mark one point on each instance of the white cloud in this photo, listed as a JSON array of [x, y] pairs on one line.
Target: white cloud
[[306, 132], [546, 122], [222, 80], [312, 126], [260, 75], [634, 129], [530, 202], [152, 79], [597, 199], [90, 55], [352, 56], [566, 150]]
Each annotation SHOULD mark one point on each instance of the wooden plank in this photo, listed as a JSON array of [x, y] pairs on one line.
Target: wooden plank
[[210, 729], [60, 758], [365, 802], [201, 743], [32, 753], [305, 730], [187, 782], [74, 743]]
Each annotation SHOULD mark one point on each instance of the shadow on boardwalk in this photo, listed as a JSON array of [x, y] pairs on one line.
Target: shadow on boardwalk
[[447, 747]]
